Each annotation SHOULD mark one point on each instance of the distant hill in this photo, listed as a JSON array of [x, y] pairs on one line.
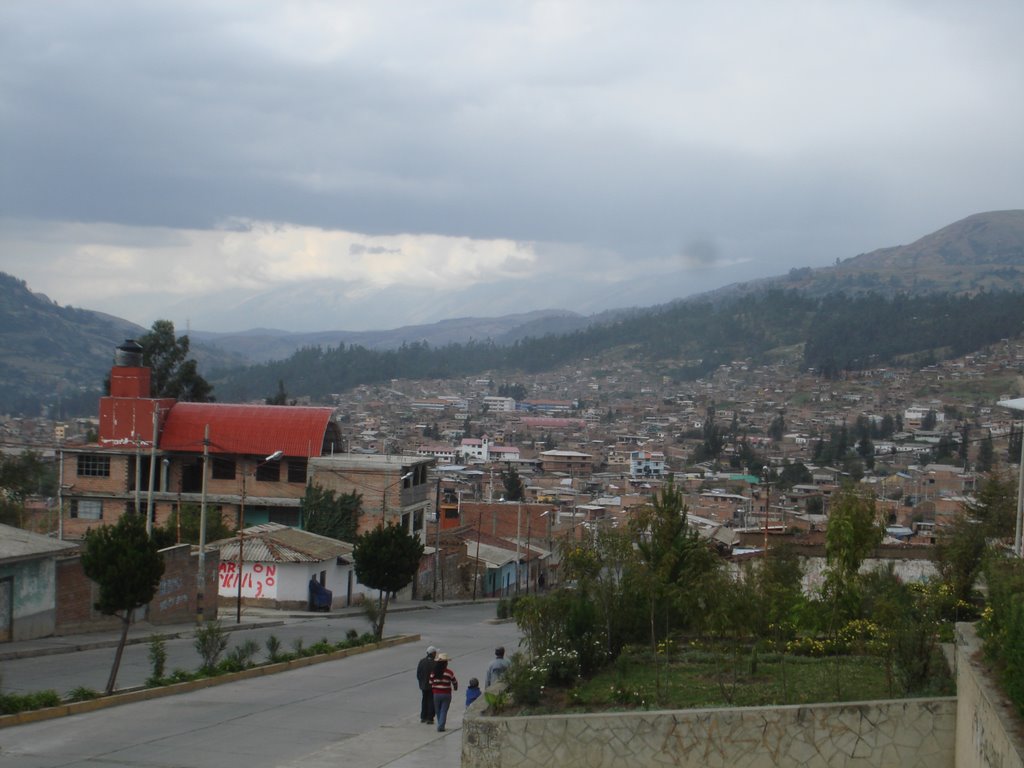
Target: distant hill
[[984, 252], [262, 345], [48, 351], [53, 355], [57, 358]]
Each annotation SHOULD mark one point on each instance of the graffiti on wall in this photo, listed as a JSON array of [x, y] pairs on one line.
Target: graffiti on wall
[[171, 594], [259, 580]]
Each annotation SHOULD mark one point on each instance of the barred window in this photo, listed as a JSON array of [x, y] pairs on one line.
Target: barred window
[[297, 471], [269, 471], [93, 465], [223, 469], [87, 509]]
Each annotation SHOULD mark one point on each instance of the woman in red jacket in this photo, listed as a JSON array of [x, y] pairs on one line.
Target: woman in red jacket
[[442, 683]]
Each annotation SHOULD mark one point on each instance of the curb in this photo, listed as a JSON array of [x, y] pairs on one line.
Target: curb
[[145, 694], [31, 653]]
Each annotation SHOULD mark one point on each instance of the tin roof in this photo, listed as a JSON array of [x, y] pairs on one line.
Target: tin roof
[[17, 544], [277, 543], [254, 430]]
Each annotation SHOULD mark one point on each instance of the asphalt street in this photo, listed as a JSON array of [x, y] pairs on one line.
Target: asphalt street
[[359, 712]]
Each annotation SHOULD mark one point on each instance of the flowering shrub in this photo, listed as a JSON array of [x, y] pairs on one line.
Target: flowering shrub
[[561, 664], [807, 646], [524, 680]]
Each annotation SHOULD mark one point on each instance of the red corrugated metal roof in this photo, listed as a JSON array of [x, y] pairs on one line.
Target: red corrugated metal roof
[[253, 430]]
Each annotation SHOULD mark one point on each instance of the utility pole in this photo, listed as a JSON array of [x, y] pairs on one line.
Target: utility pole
[[201, 576]]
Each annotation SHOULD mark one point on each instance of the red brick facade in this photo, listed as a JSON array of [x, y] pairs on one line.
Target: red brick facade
[[174, 603]]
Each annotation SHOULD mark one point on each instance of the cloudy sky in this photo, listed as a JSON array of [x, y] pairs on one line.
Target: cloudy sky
[[353, 165]]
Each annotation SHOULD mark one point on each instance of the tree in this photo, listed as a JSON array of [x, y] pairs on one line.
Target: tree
[[514, 489], [182, 526], [959, 553], [853, 532], [281, 398], [674, 554], [22, 476], [172, 373], [126, 565], [386, 559], [328, 514], [930, 420]]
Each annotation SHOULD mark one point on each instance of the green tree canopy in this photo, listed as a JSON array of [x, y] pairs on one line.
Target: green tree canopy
[[172, 373], [514, 488], [329, 514], [182, 526], [126, 565], [386, 559], [854, 531]]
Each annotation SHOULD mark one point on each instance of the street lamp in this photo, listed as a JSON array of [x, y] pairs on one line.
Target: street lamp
[[1017, 404], [241, 524]]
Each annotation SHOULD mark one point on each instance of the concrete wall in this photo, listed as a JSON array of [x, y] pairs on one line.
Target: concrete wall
[[988, 729], [33, 608], [174, 602], [979, 728], [901, 734]]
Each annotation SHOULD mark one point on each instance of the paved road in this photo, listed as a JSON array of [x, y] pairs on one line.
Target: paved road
[[358, 712]]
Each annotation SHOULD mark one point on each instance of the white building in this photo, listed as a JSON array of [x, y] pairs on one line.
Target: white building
[[646, 464], [277, 565]]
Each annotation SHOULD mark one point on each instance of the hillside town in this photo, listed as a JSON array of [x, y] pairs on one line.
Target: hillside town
[[492, 474]]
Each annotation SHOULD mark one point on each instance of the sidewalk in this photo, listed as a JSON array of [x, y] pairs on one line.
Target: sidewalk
[[142, 631]]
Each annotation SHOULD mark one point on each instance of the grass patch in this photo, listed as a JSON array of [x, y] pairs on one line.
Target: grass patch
[[692, 679]]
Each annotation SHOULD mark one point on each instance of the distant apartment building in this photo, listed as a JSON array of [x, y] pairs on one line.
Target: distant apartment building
[[646, 464], [394, 488], [914, 416], [482, 450], [495, 404], [445, 454], [550, 406], [567, 462], [429, 404]]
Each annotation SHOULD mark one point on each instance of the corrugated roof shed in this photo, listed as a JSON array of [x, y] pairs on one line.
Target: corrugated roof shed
[[277, 543], [16, 544], [253, 430]]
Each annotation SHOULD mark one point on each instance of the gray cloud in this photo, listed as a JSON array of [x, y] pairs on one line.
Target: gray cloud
[[791, 133]]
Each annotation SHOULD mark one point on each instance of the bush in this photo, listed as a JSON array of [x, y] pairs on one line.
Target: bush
[[157, 658], [240, 657], [524, 681], [1003, 624], [81, 693], [273, 645], [12, 703], [210, 642]]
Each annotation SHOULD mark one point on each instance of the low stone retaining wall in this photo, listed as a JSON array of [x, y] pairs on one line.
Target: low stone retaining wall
[[988, 729], [900, 733], [979, 728]]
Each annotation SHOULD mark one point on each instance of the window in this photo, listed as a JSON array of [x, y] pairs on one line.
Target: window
[[269, 471], [297, 471], [87, 509], [92, 465], [222, 469], [285, 516]]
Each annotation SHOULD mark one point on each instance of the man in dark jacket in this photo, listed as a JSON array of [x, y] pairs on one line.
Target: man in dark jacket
[[423, 670]]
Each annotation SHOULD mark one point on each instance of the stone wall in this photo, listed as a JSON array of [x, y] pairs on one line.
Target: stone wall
[[988, 729], [902, 733], [979, 728]]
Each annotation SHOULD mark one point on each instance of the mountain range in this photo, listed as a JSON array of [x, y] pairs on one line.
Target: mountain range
[[50, 353]]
